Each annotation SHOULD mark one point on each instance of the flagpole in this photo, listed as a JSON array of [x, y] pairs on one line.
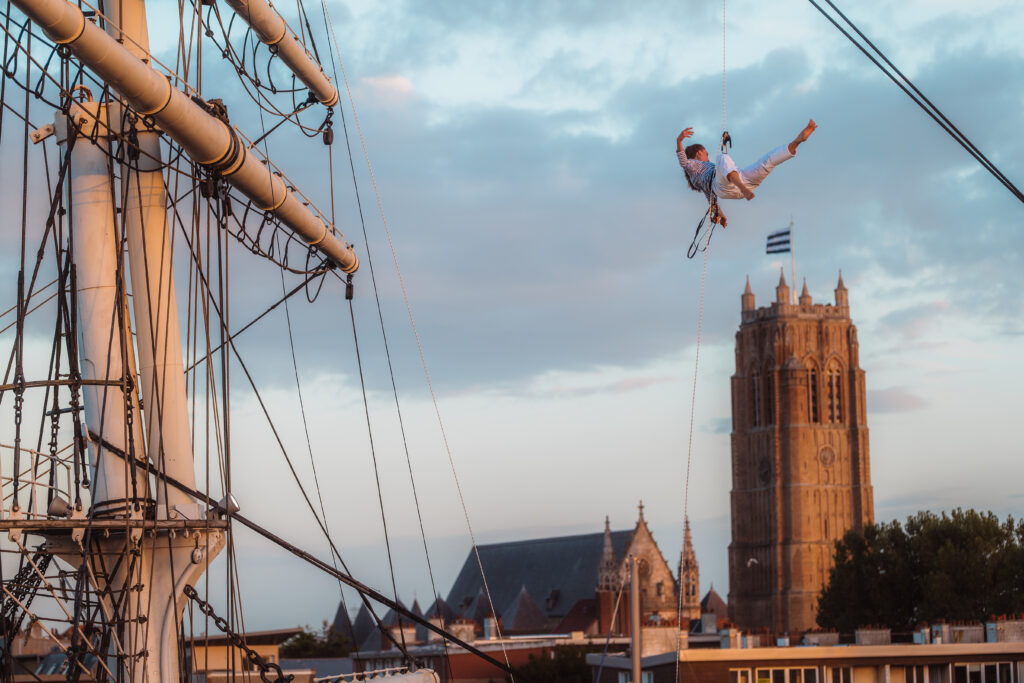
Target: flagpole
[[792, 262]]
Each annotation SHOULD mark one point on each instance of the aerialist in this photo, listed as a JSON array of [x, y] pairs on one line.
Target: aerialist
[[722, 179]]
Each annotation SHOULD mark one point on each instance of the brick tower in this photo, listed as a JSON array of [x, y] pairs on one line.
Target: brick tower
[[800, 469]]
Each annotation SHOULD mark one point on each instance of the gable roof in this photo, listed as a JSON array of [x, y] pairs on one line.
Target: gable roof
[[557, 572]]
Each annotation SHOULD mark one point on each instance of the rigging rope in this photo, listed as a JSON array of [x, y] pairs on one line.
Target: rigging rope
[[387, 353], [412, 321], [918, 97]]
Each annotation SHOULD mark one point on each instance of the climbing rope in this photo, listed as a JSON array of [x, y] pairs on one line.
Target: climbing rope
[[694, 247]]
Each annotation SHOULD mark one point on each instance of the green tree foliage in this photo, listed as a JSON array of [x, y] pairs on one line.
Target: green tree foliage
[[961, 566], [325, 642], [568, 664]]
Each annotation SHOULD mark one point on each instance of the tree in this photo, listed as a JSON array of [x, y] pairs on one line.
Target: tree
[[325, 642], [961, 566]]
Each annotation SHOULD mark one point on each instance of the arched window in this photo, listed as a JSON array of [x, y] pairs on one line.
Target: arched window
[[813, 414], [834, 392]]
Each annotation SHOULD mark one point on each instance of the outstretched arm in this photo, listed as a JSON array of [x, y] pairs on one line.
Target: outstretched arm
[[687, 132]]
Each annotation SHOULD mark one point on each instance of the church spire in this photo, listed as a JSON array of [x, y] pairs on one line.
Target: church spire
[[689, 576], [782, 291], [607, 570]]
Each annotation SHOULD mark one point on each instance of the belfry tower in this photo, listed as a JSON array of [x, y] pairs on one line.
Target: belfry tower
[[801, 474]]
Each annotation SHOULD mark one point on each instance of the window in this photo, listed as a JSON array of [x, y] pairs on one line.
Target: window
[[834, 390], [812, 396], [769, 408], [841, 674], [755, 401], [657, 589], [739, 675]]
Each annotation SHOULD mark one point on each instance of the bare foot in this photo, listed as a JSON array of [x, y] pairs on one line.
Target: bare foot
[[802, 136]]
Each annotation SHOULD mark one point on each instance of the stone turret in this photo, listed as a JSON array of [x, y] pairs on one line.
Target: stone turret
[[782, 291]]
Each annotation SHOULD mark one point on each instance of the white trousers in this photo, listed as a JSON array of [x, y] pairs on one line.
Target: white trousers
[[752, 175]]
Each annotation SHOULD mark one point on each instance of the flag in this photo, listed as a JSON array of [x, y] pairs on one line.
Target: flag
[[778, 242]]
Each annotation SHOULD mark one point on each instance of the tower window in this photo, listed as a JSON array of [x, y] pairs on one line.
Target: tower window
[[812, 396], [755, 399], [769, 406], [835, 395]]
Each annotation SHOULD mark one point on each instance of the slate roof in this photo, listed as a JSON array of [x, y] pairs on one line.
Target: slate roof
[[441, 608], [343, 625], [557, 572], [714, 604], [523, 615], [582, 617], [363, 625]]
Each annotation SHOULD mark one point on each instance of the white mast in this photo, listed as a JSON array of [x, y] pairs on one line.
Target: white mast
[[101, 302]]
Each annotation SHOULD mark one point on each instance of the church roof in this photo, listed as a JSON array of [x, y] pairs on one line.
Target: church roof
[[712, 603], [557, 572]]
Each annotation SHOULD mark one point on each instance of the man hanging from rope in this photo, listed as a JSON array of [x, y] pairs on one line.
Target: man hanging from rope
[[723, 179]]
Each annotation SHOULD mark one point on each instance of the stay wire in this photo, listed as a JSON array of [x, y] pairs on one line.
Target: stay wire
[[987, 163], [412, 321], [229, 341], [923, 103], [376, 470], [391, 370]]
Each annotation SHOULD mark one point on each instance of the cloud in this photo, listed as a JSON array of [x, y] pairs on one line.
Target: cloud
[[894, 400], [390, 89], [914, 322], [720, 425], [621, 386]]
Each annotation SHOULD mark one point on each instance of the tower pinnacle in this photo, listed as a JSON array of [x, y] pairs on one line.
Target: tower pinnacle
[[747, 299], [805, 297], [842, 295], [782, 291]]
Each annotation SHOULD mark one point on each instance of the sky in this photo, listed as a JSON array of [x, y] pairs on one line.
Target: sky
[[524, 154]]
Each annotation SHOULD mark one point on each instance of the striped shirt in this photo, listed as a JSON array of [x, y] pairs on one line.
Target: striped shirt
[[700, 173]]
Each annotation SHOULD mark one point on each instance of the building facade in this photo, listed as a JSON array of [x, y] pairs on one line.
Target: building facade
[[801, 473]]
